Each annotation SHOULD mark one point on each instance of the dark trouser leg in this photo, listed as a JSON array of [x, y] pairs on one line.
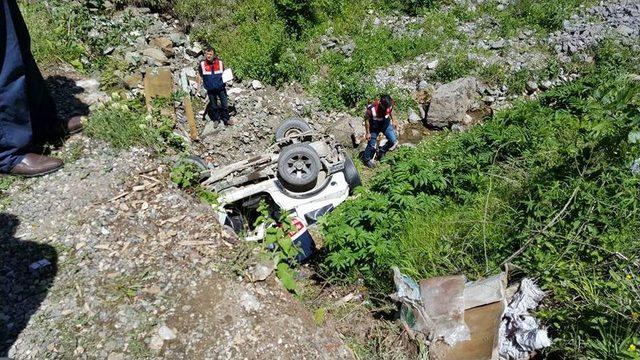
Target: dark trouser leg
[[214, 108], [370, 150], [45, 124], [390, 134], [224, 106], [44, 118], [15, 119]]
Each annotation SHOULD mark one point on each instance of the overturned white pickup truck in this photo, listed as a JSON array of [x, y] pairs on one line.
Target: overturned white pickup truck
[[304, 172]]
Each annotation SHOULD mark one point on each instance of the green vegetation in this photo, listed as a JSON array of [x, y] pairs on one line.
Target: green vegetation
[[126, 123], [55, 31], [454, 67], [65, 31], [278, 245], [545, 185], [544, 16], [278, 41], [187, 175], [5, 183]]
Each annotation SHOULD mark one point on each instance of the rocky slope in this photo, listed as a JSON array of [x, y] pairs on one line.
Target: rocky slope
[[618, 19], [131, 267]]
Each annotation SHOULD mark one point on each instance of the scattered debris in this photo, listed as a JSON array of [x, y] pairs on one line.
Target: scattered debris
[[261, 271], [166, 333], [40, 267], [249, 302], [520, 333], [471, 320]]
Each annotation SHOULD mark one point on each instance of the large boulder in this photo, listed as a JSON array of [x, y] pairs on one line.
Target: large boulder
[[451, 101], [156, 54], [345, 129], [163, 43]]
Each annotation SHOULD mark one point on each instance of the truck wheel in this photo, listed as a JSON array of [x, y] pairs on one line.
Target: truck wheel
[[298, 167], [291, 127], [351, 174]]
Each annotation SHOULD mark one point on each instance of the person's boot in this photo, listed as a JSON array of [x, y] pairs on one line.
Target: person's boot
[[36, 165], [74, 125], [371, 163]]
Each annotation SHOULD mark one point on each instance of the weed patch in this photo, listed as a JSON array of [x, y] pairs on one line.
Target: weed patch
[[125, 123]]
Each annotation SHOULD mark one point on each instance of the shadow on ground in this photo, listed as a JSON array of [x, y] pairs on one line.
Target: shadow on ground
[[27, 271], [63, 91]]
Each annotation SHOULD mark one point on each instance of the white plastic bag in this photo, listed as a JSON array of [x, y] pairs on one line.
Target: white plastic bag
[[227, 76]]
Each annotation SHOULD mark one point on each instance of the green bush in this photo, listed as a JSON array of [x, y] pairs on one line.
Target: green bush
[[156, 5], [297, 14], [61, 31], [543, 15], [277, 41], [454, 67], [125, 123], [543, 185], [198, 11], [55, 30], [411, 7], [185, 175]]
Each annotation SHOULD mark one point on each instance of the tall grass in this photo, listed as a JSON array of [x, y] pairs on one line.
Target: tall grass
[[125, 123]]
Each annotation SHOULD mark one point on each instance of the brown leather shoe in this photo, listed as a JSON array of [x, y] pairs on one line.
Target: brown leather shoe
[[74, 125], [36, 165], [230, 122]]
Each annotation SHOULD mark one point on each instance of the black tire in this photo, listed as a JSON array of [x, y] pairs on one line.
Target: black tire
[[197, 161], [351, 174], [298, 167], [293, 126]]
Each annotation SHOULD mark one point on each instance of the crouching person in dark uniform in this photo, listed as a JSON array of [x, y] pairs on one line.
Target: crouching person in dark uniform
[[210, 70], [28, 115], [378, 118]]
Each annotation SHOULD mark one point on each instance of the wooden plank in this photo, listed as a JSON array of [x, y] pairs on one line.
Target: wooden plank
[[191, 119]]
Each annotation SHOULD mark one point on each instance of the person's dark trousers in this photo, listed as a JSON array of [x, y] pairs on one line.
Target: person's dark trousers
[[27, 112], [375, 128], [219, 105]]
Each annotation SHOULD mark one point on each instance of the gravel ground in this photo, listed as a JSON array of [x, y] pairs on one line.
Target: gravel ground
[[107, 259]]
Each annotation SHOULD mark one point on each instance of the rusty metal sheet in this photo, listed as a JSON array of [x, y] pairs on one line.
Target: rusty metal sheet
[[483, 322], [443, 303]]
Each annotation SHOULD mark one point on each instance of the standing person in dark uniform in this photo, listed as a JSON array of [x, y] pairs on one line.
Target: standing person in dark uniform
[[28, 115], [210, 70]]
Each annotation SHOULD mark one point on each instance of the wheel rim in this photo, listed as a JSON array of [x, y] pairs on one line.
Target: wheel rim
[[292, 132], [299, 166]]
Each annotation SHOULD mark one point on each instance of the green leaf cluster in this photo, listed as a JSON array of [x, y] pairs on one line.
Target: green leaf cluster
[[279, 246]]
